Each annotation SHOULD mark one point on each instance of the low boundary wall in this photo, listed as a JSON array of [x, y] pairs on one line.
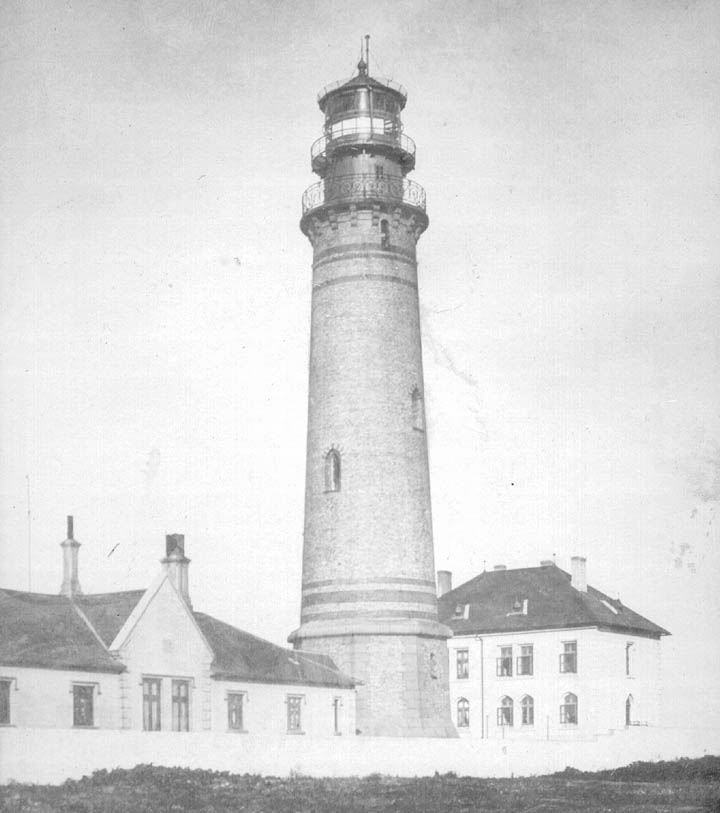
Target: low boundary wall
[[49, 756]]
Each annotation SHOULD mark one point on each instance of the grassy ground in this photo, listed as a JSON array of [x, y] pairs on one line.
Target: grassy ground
[[676, 787]]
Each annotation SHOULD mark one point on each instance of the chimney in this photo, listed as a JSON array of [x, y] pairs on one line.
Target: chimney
[[70, 584], [176, 564], [500, 567], [578, 578], [546, 563], [444, 582]]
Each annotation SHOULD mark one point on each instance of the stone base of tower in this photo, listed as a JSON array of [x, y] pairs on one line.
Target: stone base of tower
[[403, 689]]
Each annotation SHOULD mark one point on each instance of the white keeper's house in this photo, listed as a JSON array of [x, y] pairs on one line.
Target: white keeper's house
[[536, 652], [145, 660]]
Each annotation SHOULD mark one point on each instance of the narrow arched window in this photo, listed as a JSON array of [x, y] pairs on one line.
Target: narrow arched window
[[463, 713], [569, 710], [628, 710], [332, 470], [384, 234], [418, 410], [527, 707], [505, 712]]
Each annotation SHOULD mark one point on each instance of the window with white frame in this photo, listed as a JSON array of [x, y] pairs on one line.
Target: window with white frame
[[236, 711], [568, 658], [462, 661], [569, 710], [463, 713], [181, 705], [83, 705], [504, 664], [527, 710], [294, 713], [5, 684], [152, 690], [525, 660], [505, 712]]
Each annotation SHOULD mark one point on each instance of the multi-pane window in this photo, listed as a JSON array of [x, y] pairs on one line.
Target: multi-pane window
[[527, 709], [463, 713], [294, 712], [337, 717], [5, 701], [525, 660], [181, 705], [503, 665], [569, 710], [235, 711], [332, 470], [463, 663], [151, 703], [83, 696], [505, 712], [568, 658]]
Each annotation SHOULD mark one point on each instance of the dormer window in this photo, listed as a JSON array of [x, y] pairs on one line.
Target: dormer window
[[461, 611]]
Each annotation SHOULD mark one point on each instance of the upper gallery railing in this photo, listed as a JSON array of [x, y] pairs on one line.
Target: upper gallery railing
[[361, 133], [388, 83], [363, 187]]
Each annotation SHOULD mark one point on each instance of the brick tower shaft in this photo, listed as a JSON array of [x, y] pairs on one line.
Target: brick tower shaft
[[368, 592]]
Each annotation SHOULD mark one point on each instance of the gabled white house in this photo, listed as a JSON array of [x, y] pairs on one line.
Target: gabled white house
[[145, 660], [538, 653]]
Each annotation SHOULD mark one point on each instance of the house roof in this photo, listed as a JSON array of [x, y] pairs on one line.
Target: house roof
[[54, 632], [242, 656], [47, 632], [494, 601]]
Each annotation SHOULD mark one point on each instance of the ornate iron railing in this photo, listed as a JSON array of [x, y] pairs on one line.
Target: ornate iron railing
[[363, 187], [357, 134], [389, 83]]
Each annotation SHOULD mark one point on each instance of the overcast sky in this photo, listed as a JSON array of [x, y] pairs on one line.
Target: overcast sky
[[156, 293]]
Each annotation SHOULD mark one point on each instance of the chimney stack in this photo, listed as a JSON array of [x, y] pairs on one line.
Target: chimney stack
[[500, 567], [70, 584], [444, 582], [578, 577], [546, 562], [176, 564]]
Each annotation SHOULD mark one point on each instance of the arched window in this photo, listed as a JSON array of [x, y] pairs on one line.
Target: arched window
[[418, 410], [332, 470], [527, 706], [505, 711], [463, 713], [569, 710], [628, 710], [384, 234]]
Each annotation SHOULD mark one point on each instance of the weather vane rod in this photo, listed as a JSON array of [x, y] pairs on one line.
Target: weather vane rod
[[367, 53]]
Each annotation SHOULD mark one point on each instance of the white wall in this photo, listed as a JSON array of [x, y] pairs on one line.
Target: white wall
[[265, 709], [600, 683], [53, 755], [43, 698]]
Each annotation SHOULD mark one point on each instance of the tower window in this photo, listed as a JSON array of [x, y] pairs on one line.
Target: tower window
[[384, 234], [379, 171], [332, 470], [418, 410]]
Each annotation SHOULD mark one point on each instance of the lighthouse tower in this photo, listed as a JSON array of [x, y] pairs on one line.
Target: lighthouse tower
[[368, 591]]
